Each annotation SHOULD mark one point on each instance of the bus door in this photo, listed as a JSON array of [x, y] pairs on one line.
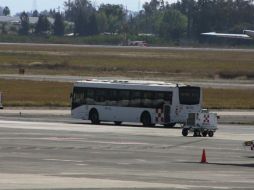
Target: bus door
[[167, 109]]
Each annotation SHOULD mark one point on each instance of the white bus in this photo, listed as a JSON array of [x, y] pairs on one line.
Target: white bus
[[147, 102]]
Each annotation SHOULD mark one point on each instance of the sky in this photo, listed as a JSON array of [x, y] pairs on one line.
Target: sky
[[28, 5]]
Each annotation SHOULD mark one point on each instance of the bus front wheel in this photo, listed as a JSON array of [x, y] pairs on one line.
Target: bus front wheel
[[185, 132], [94, 116], [146, 119]]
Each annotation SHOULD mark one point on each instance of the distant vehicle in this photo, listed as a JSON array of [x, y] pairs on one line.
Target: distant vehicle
[[109, 33], [70, 35], [137, 43], [247, 34], [147, 102], [146, 35]]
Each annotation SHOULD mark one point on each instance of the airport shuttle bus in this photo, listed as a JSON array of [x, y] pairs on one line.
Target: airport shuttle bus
[[147, 102]]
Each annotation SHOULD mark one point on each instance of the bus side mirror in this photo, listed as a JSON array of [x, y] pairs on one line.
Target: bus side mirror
[[71, 95]]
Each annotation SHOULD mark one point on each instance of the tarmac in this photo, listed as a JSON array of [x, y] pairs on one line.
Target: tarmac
[[60, 114], [45, 149], [65, 154]]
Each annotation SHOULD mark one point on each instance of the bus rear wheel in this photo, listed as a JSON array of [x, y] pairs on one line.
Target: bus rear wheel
[[94, 116], [146, 119]]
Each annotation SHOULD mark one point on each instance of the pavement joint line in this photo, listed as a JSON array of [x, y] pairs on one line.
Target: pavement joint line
[[61, 160], [188, 143]]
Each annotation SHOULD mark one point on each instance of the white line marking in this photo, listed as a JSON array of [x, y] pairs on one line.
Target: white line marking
[[75, 161]]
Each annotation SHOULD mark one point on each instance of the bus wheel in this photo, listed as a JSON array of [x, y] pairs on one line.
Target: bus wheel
[[94, 116], [169, 125], [146, 119], [118, 122], [210, 133], [185, 132]]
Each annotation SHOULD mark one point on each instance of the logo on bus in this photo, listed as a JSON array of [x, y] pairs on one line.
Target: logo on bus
[[159, 115]]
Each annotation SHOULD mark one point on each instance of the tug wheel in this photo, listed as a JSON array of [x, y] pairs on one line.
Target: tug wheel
[[196, 133], [204, 133], [210, 133]]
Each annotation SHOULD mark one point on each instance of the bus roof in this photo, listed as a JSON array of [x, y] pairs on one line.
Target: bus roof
[[127, 84]]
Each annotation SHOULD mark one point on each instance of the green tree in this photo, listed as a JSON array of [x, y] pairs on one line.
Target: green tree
[[92, 25], [24, 28], [6, 11], [187, 7], [58, 25], [81, 24], [52, 13], [35, 13], [69, 10], [149, 18], [173, 25], [102, 24], [3, 29], [114, 16], [43, 25], [79, 11]]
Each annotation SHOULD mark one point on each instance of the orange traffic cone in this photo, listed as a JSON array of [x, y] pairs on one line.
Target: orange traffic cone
[[203, 159]]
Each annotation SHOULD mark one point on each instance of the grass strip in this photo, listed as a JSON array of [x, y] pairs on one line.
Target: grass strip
[[128, 62], [34, 93], [56, 94]]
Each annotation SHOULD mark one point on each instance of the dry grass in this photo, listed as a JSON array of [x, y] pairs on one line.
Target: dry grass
[[128, 62], [30, 93], [229, 98]]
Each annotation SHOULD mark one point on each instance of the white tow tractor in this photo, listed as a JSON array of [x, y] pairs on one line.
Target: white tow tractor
[[249, 145], [202, 123]]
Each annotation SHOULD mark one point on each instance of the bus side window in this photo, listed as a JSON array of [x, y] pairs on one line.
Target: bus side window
[[74, 96], [148, 99], [90, 96], [124, 96], [168, 98], [135, 99], [158, 100], [100, 97], [82, 96], [77, 96], [112, 97], [108, 97]]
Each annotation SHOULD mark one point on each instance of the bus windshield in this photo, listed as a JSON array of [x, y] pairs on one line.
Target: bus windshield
[[189, 95]]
